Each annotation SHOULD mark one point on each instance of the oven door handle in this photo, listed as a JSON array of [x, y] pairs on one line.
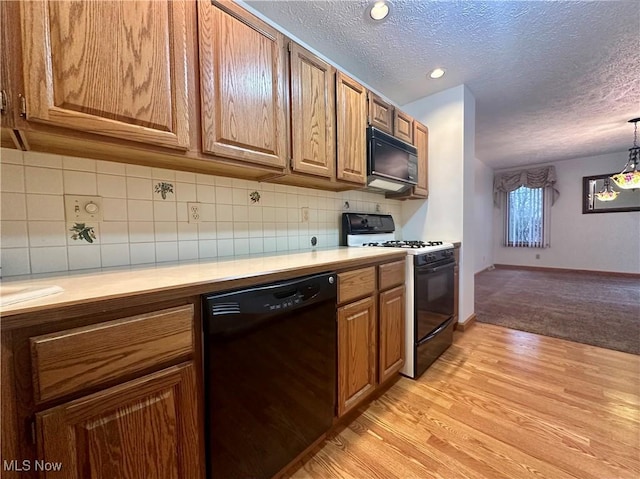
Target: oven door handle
[[437, 331], [436, 269]]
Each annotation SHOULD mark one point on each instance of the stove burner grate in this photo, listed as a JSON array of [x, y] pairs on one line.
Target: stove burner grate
[[404, 244]]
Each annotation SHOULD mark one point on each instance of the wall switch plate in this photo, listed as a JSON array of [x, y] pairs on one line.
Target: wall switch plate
[[82, 208], [193, 212]]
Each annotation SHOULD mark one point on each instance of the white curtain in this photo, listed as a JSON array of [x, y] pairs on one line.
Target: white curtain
[[543, 177], [527, 217]]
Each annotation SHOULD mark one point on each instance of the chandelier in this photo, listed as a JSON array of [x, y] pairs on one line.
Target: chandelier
[[629, 177], [607, 193]]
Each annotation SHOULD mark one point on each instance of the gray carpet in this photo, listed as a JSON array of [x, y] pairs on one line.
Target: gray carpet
[[586, 308]]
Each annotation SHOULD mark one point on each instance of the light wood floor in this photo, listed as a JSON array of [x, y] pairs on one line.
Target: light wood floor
[[498, 404]]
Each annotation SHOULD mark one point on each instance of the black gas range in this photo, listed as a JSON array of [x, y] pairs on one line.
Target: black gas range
[[377, 230], [429, 286]]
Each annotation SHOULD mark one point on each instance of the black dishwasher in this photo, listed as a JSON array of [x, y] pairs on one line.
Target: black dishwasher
[[270, 374]]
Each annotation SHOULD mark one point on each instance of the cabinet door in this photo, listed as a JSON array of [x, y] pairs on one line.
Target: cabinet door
[[421, 141], [242, 82], [380, 113], [313, 102], [351, 107], [10, 76], [8, 57], [403, 127], [146, 428], [112, 68], [357, 346], [392, 324]]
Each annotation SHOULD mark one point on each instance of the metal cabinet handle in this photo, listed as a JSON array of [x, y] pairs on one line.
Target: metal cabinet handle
[[3, 102]]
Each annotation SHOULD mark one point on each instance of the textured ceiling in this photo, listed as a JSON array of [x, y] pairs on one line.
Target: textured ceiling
[[553, 80]]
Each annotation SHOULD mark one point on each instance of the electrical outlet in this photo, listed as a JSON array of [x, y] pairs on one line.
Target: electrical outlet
[[537, 256], [304, 214], [193, 210]]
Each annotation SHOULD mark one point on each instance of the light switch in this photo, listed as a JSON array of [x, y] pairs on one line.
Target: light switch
[[83, 208]]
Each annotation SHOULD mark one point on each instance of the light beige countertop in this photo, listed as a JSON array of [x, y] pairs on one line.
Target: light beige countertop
[[98, 285]]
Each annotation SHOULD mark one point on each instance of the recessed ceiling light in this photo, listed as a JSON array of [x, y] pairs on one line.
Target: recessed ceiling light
[[379, 11], [437, 73]]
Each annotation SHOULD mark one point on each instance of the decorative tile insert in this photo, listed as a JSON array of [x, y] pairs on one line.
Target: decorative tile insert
[[255, 197], [164, 189], [83, 232]]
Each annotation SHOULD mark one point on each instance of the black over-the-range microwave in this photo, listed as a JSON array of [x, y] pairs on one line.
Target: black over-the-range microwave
[[392, 164]]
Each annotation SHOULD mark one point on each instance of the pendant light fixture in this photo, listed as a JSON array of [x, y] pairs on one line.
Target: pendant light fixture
[[607, 193], [629, 178]]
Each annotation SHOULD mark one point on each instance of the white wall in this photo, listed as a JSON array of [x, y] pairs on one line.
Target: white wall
[[483, 217], [467, 255], [439, 217], [139, 226], [448, 213], [598, 242]]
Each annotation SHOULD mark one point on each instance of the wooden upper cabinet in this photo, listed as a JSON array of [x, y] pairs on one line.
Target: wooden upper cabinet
[[421, 142], [403, 126], [8, 97], [313, 102], [243, 84], [380, 113], [351, 108], [146, 428], [10, 73], [113, 68]]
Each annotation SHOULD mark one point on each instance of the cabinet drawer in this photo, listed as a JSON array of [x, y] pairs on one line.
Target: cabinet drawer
[[356, 284], [391, 274], [80, 358]]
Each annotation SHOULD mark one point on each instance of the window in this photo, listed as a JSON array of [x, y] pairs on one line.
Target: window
[[525, 218], [526, 197]]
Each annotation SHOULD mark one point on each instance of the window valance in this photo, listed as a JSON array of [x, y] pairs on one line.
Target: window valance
[[533, 178]]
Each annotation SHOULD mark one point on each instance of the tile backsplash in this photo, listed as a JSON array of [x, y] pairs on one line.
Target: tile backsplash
[[146, 214]]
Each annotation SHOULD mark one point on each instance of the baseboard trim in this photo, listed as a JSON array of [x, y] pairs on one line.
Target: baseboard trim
[[567, 270], [488, 268], [466, 324]]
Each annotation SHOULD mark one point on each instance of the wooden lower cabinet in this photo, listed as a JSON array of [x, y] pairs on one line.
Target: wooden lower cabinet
[[357, 350], [392, 319], [370, 330], [145, 428]]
